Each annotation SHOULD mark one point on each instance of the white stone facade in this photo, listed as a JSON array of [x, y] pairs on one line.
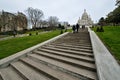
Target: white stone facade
[[85, 20], [11, 22]]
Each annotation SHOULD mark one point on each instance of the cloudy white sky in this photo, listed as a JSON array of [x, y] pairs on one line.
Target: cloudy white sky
[[65, 10]]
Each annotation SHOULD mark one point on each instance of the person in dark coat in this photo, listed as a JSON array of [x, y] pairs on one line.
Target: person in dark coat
[[73, 28], [77, 27]]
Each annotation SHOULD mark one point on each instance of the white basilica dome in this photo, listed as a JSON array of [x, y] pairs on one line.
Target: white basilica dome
[[85, 20]]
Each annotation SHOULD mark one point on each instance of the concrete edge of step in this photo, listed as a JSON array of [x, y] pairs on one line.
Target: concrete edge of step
[[107, 66], [6, 61]]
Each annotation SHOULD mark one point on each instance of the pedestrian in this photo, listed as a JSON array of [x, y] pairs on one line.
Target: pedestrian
[[83, 26], [77, 27], [14, 33], [73, 28]]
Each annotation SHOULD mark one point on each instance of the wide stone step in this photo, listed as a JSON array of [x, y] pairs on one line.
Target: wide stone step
[[70, 51], [81, 58], [77, 36], [74, 41], [70, 48], [73, 70], [73, 44], [66, 60], [10, 74], [53, 73], [77, 44], [1, 78], [28, 72]]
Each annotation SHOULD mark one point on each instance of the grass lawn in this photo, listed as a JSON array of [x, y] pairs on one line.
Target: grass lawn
[[3, 36], [34, 32], [11, 46], [69, 30], [111, 38]]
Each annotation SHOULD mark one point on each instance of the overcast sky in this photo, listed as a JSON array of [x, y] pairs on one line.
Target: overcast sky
[[65, 10]]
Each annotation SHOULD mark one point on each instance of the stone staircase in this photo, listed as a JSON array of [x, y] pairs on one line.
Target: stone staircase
[[68, 58]]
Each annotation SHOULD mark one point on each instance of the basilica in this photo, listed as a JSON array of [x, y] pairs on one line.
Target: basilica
[[85, 20]]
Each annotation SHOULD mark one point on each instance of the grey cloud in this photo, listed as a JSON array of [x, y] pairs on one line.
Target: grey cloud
[[65, 10]]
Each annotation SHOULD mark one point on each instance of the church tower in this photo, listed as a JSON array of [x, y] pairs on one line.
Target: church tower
[[85, 20]]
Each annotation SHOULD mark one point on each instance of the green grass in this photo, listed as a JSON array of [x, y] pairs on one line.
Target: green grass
[[34, 32], [11, 46], [111, 38], [69, 30]]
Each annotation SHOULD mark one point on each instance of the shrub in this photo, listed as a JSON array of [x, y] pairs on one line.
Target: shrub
[[61, 31], [65, 30], [36, 33], [97, 30], [30, 34], [101, 29]]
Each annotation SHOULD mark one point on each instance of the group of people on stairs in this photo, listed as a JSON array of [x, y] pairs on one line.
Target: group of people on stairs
[[75, 28]]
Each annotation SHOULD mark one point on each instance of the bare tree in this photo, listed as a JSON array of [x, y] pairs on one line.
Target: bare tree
[[53, 21], [43, 23], [34, 16]]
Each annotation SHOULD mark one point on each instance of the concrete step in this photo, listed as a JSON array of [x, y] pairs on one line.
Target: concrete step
[[52, 73], [28, 72], [78, 72], [70, 48], [77, 44], [77, 63], [69, 51], [74, 40], [74, 37], [1, 78], [10, 74], [66, 45], [77, 35], [81, 58], [73, 44]]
